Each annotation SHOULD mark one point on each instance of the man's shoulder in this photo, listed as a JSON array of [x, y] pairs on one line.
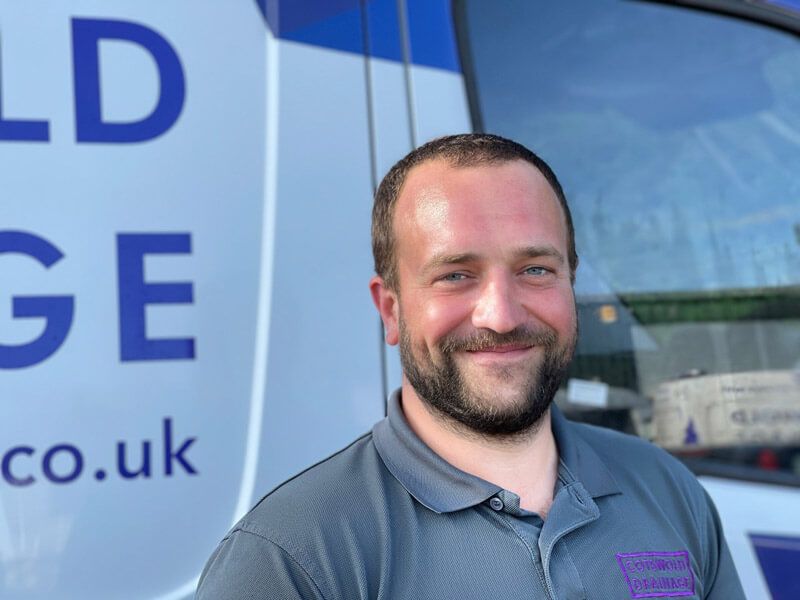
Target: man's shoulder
[[281, 546], [326, 484]]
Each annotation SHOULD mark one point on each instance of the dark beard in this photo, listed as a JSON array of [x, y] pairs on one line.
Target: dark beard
[[444, 390]]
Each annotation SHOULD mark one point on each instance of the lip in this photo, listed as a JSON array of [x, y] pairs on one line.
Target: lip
[[501, 353], [502, 349]]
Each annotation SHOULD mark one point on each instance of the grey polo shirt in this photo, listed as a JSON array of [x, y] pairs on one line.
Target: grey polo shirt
[[388, 518]]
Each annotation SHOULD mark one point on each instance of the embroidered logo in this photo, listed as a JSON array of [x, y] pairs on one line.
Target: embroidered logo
[[657, 574]]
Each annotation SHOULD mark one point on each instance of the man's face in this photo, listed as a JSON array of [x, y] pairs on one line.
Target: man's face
[[487, 322]]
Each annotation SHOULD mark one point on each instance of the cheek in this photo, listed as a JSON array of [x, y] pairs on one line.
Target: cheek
[[557, 309], [569, 317], [441, 316]]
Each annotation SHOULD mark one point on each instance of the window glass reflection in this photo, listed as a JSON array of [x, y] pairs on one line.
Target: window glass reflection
[[676, 135]]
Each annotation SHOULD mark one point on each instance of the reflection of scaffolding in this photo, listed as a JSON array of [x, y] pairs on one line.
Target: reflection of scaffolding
[[723, 305]]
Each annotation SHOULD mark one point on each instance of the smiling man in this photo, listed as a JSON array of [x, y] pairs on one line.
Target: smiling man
[[474, 485]]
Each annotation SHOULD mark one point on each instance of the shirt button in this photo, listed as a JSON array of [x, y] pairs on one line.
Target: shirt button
[[496, 503]]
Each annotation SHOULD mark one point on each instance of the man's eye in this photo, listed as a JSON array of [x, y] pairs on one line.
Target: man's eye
[[536, 271], [454, 277]]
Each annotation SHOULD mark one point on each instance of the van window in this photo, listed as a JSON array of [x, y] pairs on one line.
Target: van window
[[676, 135]]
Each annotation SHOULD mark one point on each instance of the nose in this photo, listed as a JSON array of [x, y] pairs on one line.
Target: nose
[[498, 307]]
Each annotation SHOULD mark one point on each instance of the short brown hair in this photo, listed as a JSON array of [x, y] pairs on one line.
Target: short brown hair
[[463, 150]]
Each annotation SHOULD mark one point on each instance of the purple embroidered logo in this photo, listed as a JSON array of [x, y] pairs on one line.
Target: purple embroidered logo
[[657, 574]]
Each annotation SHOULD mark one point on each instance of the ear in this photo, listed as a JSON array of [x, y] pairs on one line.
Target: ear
[[387, 304]]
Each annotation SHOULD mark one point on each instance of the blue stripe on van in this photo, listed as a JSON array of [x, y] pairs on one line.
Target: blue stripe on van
[[433, 38], [779, 557], [383, 24], [337, 24]]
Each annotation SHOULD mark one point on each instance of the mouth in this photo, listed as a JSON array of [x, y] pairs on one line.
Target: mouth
[[502, 349], [501, 353]]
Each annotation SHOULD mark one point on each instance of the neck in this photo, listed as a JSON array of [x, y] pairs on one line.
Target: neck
[[526, 464]]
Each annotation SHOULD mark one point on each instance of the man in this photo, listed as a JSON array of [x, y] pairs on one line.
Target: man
[[474, 486]]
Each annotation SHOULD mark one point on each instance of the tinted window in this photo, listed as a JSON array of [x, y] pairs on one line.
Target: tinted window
[[676, 135]]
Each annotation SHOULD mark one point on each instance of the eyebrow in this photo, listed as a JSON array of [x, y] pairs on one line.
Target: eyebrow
[[442, 260], [539, 252]]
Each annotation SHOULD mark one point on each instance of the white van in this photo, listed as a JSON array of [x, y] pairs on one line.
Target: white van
[[184, 252]]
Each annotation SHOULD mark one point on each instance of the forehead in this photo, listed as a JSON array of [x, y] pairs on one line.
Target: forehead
[[475, 204]]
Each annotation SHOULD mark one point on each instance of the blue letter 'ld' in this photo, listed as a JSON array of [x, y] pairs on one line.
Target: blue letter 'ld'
[[57, 310], [90, 127], [135, 294]]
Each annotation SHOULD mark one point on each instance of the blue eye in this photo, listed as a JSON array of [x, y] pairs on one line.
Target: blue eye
[[536, 271], [453, 277]]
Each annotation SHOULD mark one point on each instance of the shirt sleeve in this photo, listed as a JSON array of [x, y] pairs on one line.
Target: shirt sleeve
[[721, 573], [248, 566]]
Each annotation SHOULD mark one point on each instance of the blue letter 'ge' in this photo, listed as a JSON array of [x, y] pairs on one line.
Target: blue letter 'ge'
[[57, 310]]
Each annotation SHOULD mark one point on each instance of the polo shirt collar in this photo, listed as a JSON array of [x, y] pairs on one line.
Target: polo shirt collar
[[443, 488], [430, 479], [579, 458]]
